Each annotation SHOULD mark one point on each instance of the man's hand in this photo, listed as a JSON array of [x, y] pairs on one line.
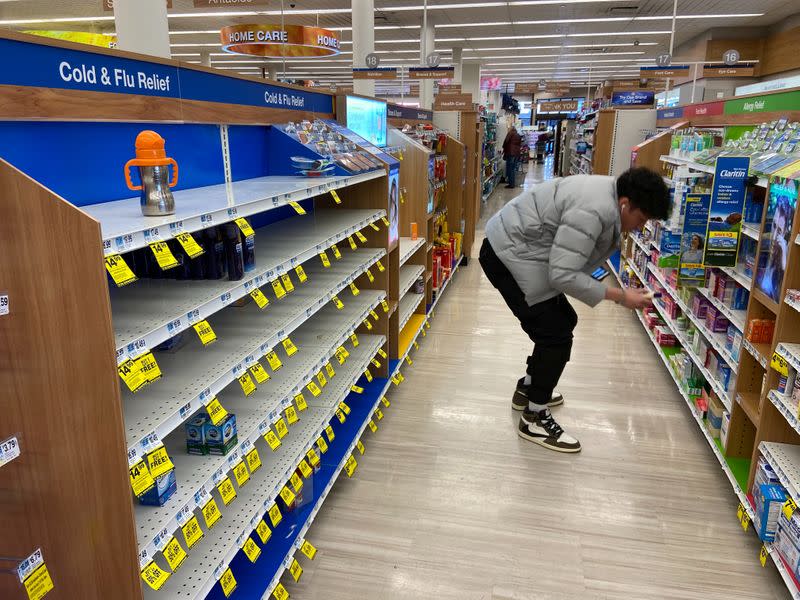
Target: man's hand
[[636, 298]]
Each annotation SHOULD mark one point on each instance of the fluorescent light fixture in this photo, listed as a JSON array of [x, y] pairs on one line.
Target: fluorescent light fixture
[[55, 20], [601, 20], [541, 36], [556, 46]]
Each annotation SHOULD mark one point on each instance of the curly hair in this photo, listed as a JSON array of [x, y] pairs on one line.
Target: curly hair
[[646, 191]]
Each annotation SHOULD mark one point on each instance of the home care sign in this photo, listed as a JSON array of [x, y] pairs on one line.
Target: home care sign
[[725, 216]]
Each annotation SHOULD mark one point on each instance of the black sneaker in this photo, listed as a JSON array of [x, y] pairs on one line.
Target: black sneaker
[[541, 428], [520, 399]]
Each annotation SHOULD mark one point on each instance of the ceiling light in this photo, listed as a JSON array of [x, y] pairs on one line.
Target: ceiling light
[[543, 36]]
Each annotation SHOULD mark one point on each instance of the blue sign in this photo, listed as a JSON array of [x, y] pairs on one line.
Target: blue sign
[[727, 204], [633, 98], [670, 113], [693, 240], [396, 111]]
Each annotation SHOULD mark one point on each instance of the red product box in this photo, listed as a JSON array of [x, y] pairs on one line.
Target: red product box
[[437, 270]]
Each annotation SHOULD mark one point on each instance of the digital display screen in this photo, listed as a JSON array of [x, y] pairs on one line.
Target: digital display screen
[[368, 119], [776, 241]]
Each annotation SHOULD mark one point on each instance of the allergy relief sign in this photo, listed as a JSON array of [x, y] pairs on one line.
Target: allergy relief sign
[[725, 215]]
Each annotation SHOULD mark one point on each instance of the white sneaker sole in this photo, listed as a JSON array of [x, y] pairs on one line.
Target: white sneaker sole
[[541, 442]]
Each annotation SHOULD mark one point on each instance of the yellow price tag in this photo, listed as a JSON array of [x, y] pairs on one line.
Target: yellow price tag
[[326, 262], [287, 496], [301, 402], [339, 304], [323, 445], [248, 387], [385, 221], [119, 270], [244, 226], [211, 513], [340, 416], [312, 457], [296, 570], [148, 367], [368, 375], [189, 245], [354, 339], [745, 522], [159, 462], [329, 433], [251, 549], [374, 315], [308, 550], [280, 592], [227, 582], [382, 352], [353, 245], [290, 348], [166, 260], [336, 253], [376, 362], [361, 237], [779, 364], [174, 553], [241, 473], [291, 415], [372, 426], [416, 345], [287, 282], [273, 360], [226, 491], [368, 325], [321, 378], [762, 555], [409, 361], [141, 480], [305, 469], [272, 440], [374, 227], [260, 299], [788, 508], [345, 409], [216, 412], [740, 511], [259, 372], [386, 402], [153, 575], [385, 306], [380, 266], [329, 370], [357, 389], [360, 446], [263, 531], [379, 414], [296, 206], [131, 375], [301, 274], [313, 388], [354, 290], [336, 197], [275, 516], [253, 460], [350, 466], [281, 428], [395, 379], [296, 481], [278, 289], [192, 532]]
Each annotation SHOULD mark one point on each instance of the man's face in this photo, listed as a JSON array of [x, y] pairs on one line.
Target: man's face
[[631, 218]]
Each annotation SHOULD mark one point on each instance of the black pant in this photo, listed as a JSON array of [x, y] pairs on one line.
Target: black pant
[[549, 324]]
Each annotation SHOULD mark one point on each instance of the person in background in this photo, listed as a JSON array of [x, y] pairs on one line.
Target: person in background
[[542, 247], [511, 148]]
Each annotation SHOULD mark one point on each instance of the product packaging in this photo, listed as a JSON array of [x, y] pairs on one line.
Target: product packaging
[[714, 415], [166, 485], [195, 436], [221, 438], [723, 430], [768, 500]]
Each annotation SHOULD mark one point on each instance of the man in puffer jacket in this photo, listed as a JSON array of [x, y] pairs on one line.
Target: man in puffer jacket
[[540, 248]]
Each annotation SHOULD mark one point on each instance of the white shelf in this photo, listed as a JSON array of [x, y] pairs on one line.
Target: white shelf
[[124, 228], [795, 304], [645, 246], [319, 338], [151, 311], [790, 352], [637, 272], [787, 408], [762, 360], [194, 374], [444, 286], [408, 304], [734, 316], [408, 247], [750, 230], [408, 275], [739, 276]]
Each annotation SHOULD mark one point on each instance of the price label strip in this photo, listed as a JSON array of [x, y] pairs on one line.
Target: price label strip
[[313, 458], [248, 387], [296, 570], [253, 460], [287, 282], [211, 513], [275, 516], [298, 209], [308, 550], [762, 555], [788, 508], [278, 289], [361, 237], [141, 480], [329, 433], [289, 346], [350, 466], [272, 440], [274, 361], [301, 402], [336, 197], [301, 274], [360, 446], [159, 462], [353, 245], [357, 389], [291, 415], [281, 428], [241, 473], [280, 592]]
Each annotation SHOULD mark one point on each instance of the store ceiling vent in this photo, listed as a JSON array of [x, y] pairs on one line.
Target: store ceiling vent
[[624, 11]]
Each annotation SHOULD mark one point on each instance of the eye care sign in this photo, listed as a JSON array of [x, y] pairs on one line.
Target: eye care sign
[[725, 217]]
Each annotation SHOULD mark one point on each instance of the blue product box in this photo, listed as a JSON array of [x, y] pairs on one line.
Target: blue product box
[[669, 247], [768, 500], [740, 298], [195, 435], [220, 438], [724, 372], [166, 485]]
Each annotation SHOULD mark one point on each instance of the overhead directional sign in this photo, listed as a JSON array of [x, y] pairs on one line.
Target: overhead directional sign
[[378, 73], [430, 72]]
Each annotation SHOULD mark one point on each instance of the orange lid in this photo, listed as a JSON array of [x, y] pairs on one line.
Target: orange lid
[[150, 149]]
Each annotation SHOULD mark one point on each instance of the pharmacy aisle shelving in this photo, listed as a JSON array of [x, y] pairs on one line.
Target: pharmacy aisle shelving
[[409, 247]]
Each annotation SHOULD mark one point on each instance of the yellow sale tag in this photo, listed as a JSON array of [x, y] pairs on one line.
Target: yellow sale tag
[[360, 446], [382, 352], [287, 495], [374, 227], [353, 245], [291, 415], [192, 532], [153, 575], [119, 270], [296, 570], [253, 460], [275, 516], [164, 257], [380, 266], [340, 416], [159, 462], [190, 246], [281, 428], [296, 206], [340, 356], [259, 372], [427, 325], [350, 466], [227, 582], [273, 360], [305, 469], [261, 300], [354, 339], [339, 304], [376, 362], [263, 531], [131, 375], [314, 389], [174, 553], [278, 289], [301, 274], [227, 491], [361, 237], [141, 480], [336, 197], [355, 291], [385, 221], [336, 253], [424, 334], [372, 426], [374, 315], [368, 375], [357, 389], [308, 550], [416, 345], [395, 379], [148, 367], [251, 550], [301, 402], [789, 507], [287, 282], [385, 306], [745, 522], [321, 378], [211, 513], [248, 387], [244, 226], [290, 348], [280, 592], [386, 402], [323, 445], [272, 440], [401, 377], [241, 473], [762, 556], [326, 262], [409, 361], [344, 407], [297, 482], [329, 369], [216, 412], [368, 325], [740, 511], [779, 364], [312, 457], [379, 414], [329, 433]]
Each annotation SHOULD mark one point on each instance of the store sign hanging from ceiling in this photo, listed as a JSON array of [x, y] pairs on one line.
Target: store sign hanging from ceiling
[[376, 73], [108, 5], [430, 72], [664, 72], [276, 41]]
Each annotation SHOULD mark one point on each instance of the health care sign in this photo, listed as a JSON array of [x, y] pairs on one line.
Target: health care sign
[[273, 40]]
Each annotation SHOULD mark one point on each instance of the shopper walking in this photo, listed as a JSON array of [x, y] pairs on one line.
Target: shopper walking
[[511, 148], [541, 248]]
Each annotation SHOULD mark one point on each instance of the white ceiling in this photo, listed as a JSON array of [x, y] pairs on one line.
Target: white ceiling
[[519, 40]]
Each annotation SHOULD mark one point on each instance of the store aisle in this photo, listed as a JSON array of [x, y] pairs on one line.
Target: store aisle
[[449, 503]]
